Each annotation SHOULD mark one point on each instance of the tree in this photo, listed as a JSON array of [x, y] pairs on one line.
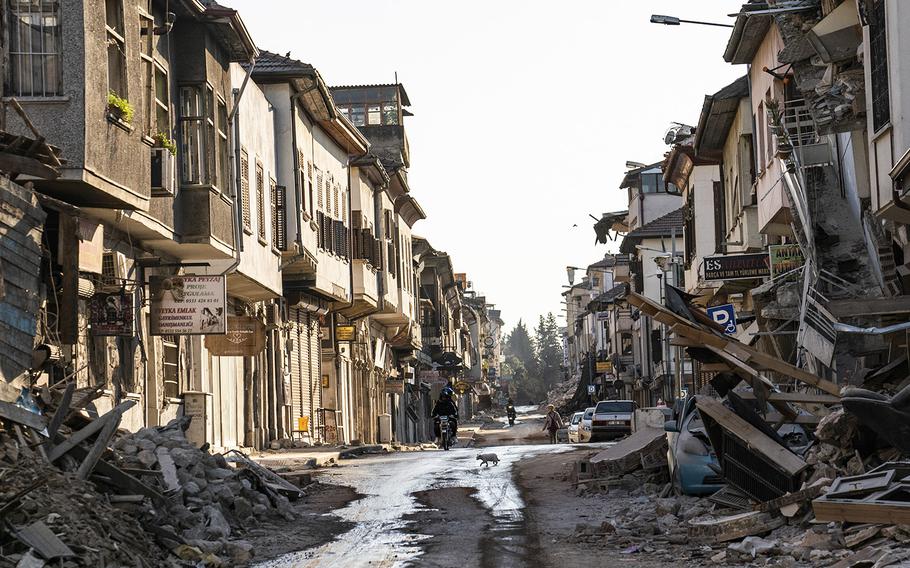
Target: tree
[[521, 362], [549, 350]]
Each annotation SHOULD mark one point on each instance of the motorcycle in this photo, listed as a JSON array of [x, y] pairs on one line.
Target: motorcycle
[[445, 432], [511, 413]]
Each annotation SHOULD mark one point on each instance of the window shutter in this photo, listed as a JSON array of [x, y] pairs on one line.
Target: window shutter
[[320, 234], [279, 218], [377, 253], [358, 244]]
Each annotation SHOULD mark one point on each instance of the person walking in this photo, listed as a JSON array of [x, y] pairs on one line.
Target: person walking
[[553, 422]]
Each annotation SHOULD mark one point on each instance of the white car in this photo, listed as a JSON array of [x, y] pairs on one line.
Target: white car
[[584, 430], [574, 425]]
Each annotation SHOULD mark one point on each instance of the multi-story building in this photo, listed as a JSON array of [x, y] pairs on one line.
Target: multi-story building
[[148, 190]]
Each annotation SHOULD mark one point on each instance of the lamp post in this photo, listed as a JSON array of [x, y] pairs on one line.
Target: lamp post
[[674, 21]]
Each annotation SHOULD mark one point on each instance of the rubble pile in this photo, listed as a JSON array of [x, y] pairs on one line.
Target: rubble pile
[[92, 528], [97, 497]]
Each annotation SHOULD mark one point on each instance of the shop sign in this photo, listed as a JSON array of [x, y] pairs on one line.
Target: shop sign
[[462, 387], [603, 366], [724, 316], [245, 337], [785, 258], [188, 305], [737, 266], [112, 314], [344, 333], [394, 386]]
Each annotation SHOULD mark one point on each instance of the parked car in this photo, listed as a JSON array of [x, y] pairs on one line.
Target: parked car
[[574, 426], [584, 431], [691, 456], [612, 418]]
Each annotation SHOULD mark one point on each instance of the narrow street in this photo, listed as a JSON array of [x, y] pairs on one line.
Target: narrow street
[[434, 508]]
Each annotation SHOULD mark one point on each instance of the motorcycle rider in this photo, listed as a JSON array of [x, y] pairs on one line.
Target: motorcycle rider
[[445, 406], [510, 412]]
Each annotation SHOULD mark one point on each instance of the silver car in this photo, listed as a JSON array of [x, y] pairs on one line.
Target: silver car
[[574, 426], [584, 431]]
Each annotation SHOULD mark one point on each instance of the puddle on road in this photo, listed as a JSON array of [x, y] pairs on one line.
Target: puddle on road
[[378, 538]]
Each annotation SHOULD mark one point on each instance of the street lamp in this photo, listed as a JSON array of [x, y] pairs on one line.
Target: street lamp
[[674, 21]]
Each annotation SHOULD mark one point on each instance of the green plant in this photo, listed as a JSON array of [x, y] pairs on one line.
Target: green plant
[[119, 107], [162, 140]]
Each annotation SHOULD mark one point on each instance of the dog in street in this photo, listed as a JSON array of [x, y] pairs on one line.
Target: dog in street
[[487, 459]]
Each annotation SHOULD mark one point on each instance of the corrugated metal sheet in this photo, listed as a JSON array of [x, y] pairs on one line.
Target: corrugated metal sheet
[[296, 356]]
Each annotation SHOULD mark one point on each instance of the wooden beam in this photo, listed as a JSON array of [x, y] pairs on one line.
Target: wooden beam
[[15, 164], [78, 437], [775, 418], [796, 397], [62, 410], [755, 439], [88, 464], [715, 367]]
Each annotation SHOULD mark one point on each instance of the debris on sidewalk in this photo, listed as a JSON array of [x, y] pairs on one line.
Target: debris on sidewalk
[[91, 496]]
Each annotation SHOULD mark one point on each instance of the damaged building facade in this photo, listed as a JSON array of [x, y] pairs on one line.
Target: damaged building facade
[[222, 235]]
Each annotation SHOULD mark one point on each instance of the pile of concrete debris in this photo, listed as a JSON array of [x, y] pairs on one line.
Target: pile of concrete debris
[[76, 492]]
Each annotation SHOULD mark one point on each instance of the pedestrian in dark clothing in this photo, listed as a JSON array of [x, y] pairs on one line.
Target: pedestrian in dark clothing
[[553, 422]]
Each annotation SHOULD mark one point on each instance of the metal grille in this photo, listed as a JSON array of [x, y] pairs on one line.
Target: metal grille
[[245, 187], [34, 49], [798, 123], [878, 48]]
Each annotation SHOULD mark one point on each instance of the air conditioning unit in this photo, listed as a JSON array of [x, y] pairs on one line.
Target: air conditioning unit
[[113, 271], [163, 172]]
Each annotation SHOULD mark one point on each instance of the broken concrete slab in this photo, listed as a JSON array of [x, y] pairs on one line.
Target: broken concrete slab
[[38, 536], [734, 527], [640, 450]]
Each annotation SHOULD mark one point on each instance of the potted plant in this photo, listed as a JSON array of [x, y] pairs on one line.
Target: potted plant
[[119, 108], [162, 140]]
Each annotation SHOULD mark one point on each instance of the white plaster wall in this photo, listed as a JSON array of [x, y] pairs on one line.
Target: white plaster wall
[[257, 135]]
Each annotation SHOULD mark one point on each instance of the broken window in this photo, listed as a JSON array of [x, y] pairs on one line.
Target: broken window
[[357, 115], [116, 48], [878, 55], [34, 49], [390, 113]]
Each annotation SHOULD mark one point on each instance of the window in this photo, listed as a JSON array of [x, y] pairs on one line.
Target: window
[[223, 148], [194, 164], [170, 364], [162, 102], [260, 200], [769, 138], [245, 189], [309, 174], [210, 150], [655, 183], [878, 52], [34, 49], [720, 214], [146, 61], [625, 340], [279, 222], [357, 116], [760, 122], [333, 209], [373, 115], [116, 48], [389, 113], [319, 202]]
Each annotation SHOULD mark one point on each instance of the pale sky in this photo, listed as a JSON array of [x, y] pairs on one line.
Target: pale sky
[[525, 112]]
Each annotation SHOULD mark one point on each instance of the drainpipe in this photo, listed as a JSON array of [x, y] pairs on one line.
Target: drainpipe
[[234, 125]]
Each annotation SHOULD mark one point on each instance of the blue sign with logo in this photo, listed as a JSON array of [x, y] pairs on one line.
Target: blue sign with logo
[[725, 316]]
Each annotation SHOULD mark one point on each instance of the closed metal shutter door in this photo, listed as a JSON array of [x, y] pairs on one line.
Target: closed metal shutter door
[[296, 347], [315, 365]]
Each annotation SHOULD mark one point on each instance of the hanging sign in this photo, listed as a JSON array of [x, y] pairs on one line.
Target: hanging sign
[[737, 266], [603, 366], [725, 316], [344, 333], [785, 258], [187, 305], [112, 314], [245, 337]]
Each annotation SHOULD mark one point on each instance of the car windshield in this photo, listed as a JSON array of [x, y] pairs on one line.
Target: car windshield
[[613, 407], [589, 413], [695, 423], [576, 418]]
